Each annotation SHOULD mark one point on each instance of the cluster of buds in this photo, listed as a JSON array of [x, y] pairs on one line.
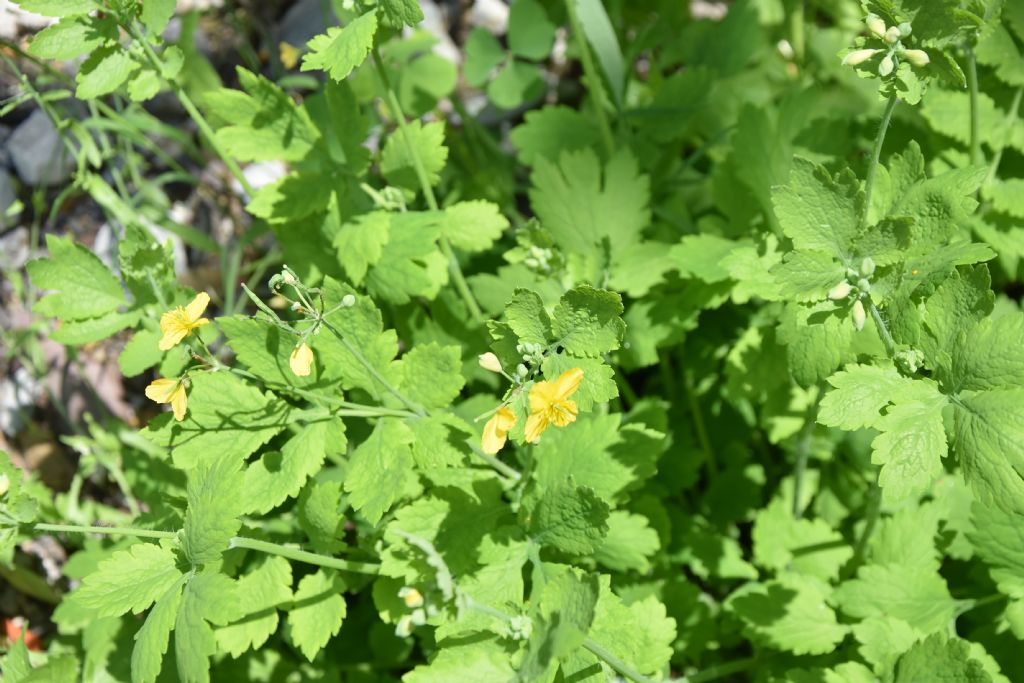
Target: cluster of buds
[[422, 610], [858, 286], [892, 37], [539, 259], [910, 360], [520, 627]]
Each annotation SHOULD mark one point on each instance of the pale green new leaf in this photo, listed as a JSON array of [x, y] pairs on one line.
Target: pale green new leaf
[[85, 288], [71, 37], [411, 264], [426, 142], [152, 639], [860, 394], [528, 318], [917, 595], [265, 589], [629, 543], [104, 72], [210, 597], [129, 581], [641, 633], [399, 13], [571, 519], [910, 448], [360, 243], [380, 470], [586, 322], [156, 14], [58, 8], [318, 611], [280, 475], [819, 212], [789, 613], [808, 275], [473, 225], [341, 50], [431, 375], [215, 500]]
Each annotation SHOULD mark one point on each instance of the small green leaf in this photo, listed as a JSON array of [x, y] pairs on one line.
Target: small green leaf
[[380, 470], [587, 322], [569, 518], [130, 581], [397, 161], [156, 14], [318, 611], [530, 33], [104, 72], [341, 50], [85, 288], [71, 37]]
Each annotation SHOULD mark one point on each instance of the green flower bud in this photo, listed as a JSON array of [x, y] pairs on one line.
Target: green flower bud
[[918, 58], [892, 35], [867, 266], [886, 67], [5, 484], [859, 57], [863, 285], [875, 24], [904, 29], [348, 301], [840, 291], [860, 316], [488, 361]]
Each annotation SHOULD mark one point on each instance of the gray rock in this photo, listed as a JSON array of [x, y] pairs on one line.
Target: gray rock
[[37, 152], [304, 20], [14, 249], [7, 197]]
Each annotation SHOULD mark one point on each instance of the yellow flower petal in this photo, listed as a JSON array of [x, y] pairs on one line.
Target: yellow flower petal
[[496, 430], [550, 403], [179, 322], [169, 391], [301, 360]]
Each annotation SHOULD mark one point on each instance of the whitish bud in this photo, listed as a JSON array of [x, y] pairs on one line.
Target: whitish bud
[[411, 597], [859, 57], [863, 285], [867, 266], [840, 291], [886, 67], [288, 278], [5, 484], [892, 34], [348, 301], [490, 362], [860, 316], [521, 370], [875, 24], [918, 58], [904, 29]]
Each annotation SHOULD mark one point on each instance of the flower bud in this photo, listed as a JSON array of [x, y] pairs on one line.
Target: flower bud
[[840, 291], [863, 285], [918, 58], [860, 316], [411, 597], [287, 277], [521, 370], [892, 35], [5, 484], [348, 301], [875, 24], [904, 29], [859, 57], [886, 67], [488, 361], [867, 266]]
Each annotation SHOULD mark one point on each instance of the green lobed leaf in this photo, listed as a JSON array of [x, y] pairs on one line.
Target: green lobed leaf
[[941, 656], [72, 36], [318, 611], [571, 519], [214, 503], [380, 469], [819, 212], [397, 160], [586, 321], [152, 639], [341, 50], [85, 288], [789, 613], [209, 598], [156, 14], [265, 589], [431, 375], [915, 594], [280, 475], [129, 581], [106, 69], [530, 33]]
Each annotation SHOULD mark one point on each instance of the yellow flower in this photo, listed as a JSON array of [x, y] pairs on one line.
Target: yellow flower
[[170, 391], [178, 323], [550, 404], [496, 429], [301, 359]]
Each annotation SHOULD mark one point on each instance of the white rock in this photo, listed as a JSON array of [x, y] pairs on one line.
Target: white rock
[[491, 15], [37, 152]]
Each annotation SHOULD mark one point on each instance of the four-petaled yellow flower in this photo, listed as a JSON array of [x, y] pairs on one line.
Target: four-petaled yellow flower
[[170, 391], [178, 323], [301, 359], [496, 430], [550, 403]]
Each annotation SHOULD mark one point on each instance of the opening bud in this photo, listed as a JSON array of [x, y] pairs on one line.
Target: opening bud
[[488, 361], [875, 24], [859, 57], [918, 58], [840, 291], [860, 316], [411, 597]]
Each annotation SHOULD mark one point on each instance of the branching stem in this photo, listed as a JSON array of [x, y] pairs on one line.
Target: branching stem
[[454, 269]]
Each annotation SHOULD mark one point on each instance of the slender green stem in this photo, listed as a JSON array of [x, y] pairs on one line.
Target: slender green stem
[[883, 330], [972, 89], [698, 423], [797, 31], [599, 650], [974, 603], [304, 556], [614, 662], [388, 386], [108, 530], [592, 76], [997, 155], [876, 154], [236, 542], [498, 465], [454, 269], [204, 127], [873, 513], [803, 453]]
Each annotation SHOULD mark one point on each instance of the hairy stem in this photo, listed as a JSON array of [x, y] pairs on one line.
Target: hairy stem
[[883, 330], [236, 542], [876, 153], [803, 453], [593, 77], [797, 31], [454, 269], [498, 465], [204, 127]]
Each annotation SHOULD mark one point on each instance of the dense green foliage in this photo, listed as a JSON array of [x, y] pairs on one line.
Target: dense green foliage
[[782, 248]]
